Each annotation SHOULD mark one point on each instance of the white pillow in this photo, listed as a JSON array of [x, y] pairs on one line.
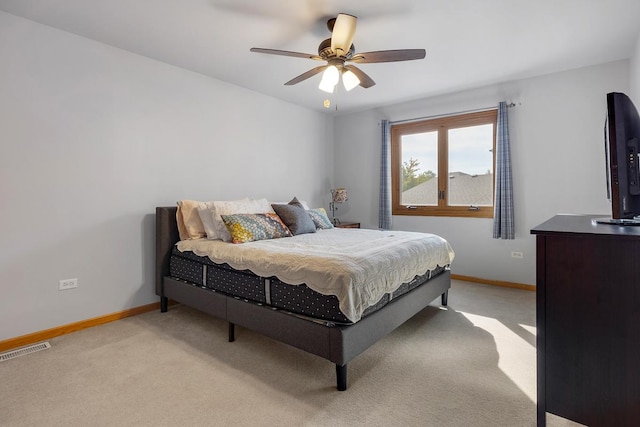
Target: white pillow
[[205, 211], [212, 213], [190, 225]]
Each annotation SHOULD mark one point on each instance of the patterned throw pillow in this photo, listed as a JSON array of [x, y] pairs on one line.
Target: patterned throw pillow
[[216, 209], [320, 218], [251, 227]]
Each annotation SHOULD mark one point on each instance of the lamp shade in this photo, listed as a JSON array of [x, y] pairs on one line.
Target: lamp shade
[[326, 87], [340, 195], [330, 78], [343, 31], [350, 80]]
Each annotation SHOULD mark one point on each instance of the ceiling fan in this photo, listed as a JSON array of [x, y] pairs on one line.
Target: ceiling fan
[[338, 51]]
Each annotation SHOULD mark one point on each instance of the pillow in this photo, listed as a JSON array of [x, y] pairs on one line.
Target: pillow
[[182, 230], [296, 218], [296, 202], [302, 202], [320, 218], [189, 223], [251, 227], [216, 209], [207, 219], [207, 213]]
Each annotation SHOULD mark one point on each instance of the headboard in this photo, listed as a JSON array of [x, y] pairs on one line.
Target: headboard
[[166, 236]]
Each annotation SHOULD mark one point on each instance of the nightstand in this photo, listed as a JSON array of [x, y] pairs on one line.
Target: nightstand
[[348, 225]]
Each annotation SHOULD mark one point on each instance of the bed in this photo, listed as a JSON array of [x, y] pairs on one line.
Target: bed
[[250, 300]]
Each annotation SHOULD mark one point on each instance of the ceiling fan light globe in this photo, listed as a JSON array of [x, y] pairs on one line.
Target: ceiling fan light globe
[[350, 80], [330, 78], [344, 30], [323, 86], [331, 75]]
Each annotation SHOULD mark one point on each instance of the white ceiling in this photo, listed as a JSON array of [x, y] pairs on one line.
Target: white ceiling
[[469, 43]]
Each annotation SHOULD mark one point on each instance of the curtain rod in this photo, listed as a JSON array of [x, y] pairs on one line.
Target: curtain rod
[[437, 116]]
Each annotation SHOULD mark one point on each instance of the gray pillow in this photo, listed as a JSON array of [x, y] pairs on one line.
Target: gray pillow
[[296, 218], [296, 202]]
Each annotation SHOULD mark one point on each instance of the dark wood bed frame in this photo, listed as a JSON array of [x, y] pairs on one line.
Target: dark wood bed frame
[[338, 344]]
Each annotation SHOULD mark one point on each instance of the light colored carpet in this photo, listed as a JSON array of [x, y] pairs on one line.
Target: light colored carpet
[[472, 364]]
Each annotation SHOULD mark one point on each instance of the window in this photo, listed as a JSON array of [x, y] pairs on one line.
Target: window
[[444, 166]]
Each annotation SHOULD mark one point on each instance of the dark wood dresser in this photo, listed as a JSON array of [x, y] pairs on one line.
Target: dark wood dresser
[[588, 321], [348, 225]]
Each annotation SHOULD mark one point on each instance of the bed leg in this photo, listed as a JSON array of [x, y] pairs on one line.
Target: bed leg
[[232, 332], [164, 302], [445, 296], [341, 376]]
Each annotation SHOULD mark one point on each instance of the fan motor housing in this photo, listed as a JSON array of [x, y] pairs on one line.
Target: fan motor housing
[[324, 50]]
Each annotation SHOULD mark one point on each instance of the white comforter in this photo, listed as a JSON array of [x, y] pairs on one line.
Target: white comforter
[[356, 265]]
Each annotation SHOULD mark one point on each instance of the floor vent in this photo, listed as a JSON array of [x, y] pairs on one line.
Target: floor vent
[[24, 350]]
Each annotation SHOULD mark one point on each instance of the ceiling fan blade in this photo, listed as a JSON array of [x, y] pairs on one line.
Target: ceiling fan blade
[[285, 53], [365, 80], [389, 56], [343, 31], [305, 76]]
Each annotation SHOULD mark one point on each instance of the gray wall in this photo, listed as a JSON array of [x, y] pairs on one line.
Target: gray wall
[[92, 138], [635, 74], [557, 158]]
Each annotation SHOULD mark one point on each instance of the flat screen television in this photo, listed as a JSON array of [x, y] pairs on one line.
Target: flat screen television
[[622, 143]]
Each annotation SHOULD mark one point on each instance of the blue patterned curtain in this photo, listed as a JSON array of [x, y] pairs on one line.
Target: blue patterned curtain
[[503, 219], [384, 202]]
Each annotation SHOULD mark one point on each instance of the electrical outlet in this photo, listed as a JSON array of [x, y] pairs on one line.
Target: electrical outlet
[[67, 284], [518, 255]]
